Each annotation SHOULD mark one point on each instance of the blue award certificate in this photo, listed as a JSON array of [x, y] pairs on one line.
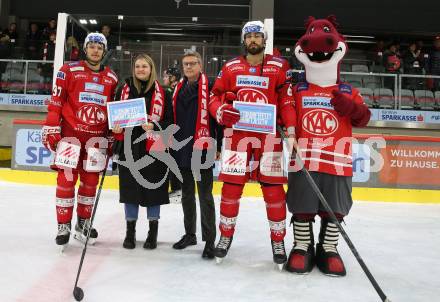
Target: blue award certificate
[[127, 113], [256, 117]]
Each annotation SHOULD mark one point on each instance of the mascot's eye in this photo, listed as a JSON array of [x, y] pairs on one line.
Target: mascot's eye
[[326, 29], [311, 30]]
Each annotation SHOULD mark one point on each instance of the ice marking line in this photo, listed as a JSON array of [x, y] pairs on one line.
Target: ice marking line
[[57, 283]]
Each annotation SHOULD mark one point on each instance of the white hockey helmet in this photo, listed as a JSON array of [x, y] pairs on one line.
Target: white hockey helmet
[[253, 27], [95, 38]]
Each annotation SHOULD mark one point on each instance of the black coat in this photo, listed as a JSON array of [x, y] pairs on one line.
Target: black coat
[[130, 191]]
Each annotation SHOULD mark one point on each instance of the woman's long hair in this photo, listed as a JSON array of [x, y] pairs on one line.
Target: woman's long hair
[[153, 75]]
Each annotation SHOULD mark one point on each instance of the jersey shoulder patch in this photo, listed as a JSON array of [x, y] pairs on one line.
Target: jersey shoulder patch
[[302, 86], [233, 61], [345, 88], [112, 75]]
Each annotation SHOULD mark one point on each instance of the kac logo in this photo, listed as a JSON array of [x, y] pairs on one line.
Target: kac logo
[[320, 122], [252, 96], [91, 115]]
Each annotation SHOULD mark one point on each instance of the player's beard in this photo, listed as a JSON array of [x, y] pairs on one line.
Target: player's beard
[[255, 49]]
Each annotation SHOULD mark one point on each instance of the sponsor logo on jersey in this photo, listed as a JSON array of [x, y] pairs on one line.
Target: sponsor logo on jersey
[[107, 80], [95, 79], [320, 122], [303, 86], [234, 163], [252, 81], [316, 102], [67, 155], [112, 75], [220, 75], [91, 114], [271, 164], [252, 96], [232, 62], [80, 75], [93, 87], [345, 88], [270, 69], [93, 98], [275, 63], [253, 69], [74, 63], [237, 68], [78, 68], [61, 75]]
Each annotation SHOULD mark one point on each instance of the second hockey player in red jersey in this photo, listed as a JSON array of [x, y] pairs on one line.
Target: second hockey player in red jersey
[[253, 78], [76, 130]]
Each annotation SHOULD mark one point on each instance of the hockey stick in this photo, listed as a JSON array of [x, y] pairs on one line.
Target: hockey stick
[[78, 293], [324, 202]]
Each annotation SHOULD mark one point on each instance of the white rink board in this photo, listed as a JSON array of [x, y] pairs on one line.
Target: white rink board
[[399, 242]]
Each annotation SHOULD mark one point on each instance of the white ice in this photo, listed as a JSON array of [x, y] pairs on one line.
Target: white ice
[[400, 243]]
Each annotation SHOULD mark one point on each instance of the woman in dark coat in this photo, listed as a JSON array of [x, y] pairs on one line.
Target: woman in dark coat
[[152, 190]]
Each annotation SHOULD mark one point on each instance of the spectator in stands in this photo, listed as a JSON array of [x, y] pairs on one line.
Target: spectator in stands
[[392, 63], [376, 55], [111, 39], [72, 49], [33, 43], [12, 33], [413, 64], [51, 28], [46, 69], [433, 66], [5, 53]]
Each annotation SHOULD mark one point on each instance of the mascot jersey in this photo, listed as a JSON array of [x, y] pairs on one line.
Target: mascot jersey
[[325, 109], [324, 137]]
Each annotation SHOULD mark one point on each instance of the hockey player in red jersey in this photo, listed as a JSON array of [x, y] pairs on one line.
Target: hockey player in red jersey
[[76, 130], [254, 78], [325, 112]]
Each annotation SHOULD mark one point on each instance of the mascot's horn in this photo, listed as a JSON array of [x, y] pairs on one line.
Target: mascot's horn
[[309, 20], [332, 19]]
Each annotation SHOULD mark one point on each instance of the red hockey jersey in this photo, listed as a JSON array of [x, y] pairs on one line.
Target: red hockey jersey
[[265, 83], [79, 99], [324, 137]]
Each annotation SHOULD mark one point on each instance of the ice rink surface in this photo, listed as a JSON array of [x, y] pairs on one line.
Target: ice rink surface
[[400, 243]]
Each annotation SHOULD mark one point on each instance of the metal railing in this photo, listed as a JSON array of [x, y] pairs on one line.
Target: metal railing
[[19, 74], [15, 67]]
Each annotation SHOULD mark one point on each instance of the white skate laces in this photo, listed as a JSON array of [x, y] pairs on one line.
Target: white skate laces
[[63, 229], [331, 238], [302, 235], [278, 247], [224, 243]]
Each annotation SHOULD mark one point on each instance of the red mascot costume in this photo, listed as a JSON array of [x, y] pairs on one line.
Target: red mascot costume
[[325, 112]]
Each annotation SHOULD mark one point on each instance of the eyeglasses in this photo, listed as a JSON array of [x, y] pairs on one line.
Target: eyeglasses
[[189, 64]]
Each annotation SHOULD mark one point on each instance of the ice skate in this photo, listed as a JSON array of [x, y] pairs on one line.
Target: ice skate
[[63, 235], [82, 227], [222, 248], [279, 253]]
